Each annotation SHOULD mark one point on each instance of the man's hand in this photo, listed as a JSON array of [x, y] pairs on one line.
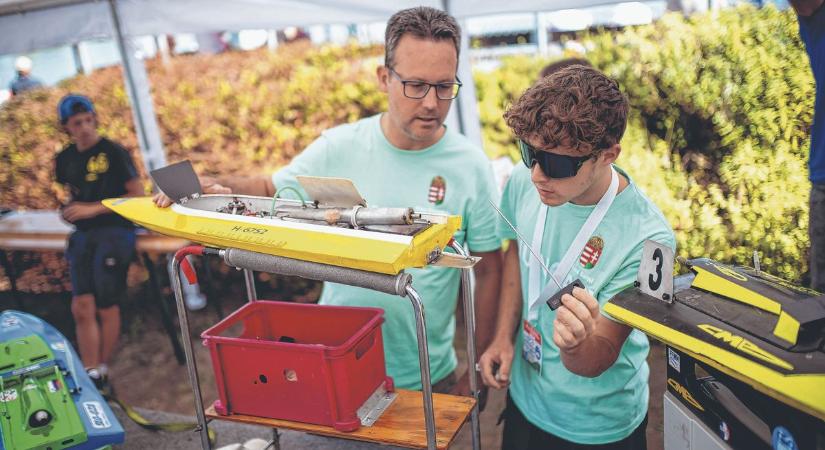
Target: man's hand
[[462, 387], [162, 200], [82, 210], [495, 363], [576, 319], [209, 185]]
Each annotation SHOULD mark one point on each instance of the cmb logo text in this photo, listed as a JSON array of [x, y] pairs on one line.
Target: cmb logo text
[[744, 345], [98, 418], [684, 393]]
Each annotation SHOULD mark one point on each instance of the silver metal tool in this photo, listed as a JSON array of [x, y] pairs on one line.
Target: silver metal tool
[[524, 241]]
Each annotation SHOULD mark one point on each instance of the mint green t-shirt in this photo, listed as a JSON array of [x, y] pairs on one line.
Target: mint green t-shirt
[[584, 410], [452, 176]]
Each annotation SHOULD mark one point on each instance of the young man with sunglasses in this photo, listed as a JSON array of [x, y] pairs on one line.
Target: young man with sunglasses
[[576, 378], [407, 157]]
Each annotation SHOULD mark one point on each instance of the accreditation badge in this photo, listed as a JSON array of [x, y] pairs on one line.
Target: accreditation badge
[[531, 346]]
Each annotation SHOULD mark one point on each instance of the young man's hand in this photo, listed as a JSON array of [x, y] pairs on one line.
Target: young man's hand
[[495, 363], [209, 185], [575, 320], [82, 210]]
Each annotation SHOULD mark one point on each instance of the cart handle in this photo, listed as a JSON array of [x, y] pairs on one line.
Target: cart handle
[[187, 269]]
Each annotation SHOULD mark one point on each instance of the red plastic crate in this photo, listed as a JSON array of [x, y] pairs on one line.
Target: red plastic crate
[[304, 363]]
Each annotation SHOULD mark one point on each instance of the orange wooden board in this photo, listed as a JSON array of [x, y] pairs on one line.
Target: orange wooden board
[[402, 424]]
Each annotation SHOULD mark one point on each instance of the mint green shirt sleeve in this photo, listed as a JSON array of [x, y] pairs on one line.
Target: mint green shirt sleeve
[[481, 217], [508, 202], [312, 161]]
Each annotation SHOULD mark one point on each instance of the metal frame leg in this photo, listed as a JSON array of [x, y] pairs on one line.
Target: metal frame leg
[[468, 301], [424, 364], [249, 279], [191, 365], [276, 440], [252, 296]]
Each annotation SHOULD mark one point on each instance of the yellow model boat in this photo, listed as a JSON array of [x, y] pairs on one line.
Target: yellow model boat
[[756, 328], [383, 240]]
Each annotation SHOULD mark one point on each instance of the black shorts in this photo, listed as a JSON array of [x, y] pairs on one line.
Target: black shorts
[[99, 261], [520, 434]]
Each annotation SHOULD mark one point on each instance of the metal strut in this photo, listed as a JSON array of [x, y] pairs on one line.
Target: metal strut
[[191, 364], [468, 300]]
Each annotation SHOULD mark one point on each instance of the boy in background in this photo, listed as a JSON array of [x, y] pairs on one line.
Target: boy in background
[[93, 168]]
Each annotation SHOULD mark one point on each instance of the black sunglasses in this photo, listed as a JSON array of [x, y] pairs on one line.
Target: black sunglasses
[[552, 164]]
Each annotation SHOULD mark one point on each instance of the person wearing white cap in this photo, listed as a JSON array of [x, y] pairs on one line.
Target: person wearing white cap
[[23, 81]]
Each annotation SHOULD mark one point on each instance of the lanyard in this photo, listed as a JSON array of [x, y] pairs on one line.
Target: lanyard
[[576, 247]]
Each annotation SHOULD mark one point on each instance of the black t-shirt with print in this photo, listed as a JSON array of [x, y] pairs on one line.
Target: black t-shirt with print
[[95, 174]]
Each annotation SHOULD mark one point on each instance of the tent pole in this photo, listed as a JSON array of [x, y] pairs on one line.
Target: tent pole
[[541, 34], [465, 106], [137, 85], [78, 60]]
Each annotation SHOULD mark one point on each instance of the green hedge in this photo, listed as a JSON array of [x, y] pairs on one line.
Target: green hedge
[[733, 100], [721, 105], [717, 134]]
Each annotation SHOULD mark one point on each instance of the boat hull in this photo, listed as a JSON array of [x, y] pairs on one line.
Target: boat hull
[[365, 250], [50, 380], [735, 337]]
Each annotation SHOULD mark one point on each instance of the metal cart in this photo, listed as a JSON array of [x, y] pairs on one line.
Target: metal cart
[[399, 284]]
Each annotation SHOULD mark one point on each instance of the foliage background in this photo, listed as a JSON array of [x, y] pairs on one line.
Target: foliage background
[[718, 136]]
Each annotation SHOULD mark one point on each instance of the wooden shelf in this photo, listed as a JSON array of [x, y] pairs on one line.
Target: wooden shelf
[[402, 424]]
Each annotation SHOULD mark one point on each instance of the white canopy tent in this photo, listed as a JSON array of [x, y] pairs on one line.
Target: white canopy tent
[[35, 24]]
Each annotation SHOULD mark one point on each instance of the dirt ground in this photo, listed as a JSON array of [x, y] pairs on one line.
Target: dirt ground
[[145, 373]]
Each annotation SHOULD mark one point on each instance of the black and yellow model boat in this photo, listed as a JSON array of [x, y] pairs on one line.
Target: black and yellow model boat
[[747, 328]]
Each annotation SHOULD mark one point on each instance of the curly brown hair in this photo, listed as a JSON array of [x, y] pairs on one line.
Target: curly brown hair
[[577, 107]]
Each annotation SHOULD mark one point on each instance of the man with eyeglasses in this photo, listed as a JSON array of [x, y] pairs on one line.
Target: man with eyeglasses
[[576, 378], [407, 157]]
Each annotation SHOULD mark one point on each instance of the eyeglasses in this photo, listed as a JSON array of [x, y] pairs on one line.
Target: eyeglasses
[[417, 89], [552, 164]]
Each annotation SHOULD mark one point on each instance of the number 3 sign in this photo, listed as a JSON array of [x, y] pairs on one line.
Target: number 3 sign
[[655, 276]]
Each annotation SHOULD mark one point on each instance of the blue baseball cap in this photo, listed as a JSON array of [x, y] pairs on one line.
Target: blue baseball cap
[[73, 104]]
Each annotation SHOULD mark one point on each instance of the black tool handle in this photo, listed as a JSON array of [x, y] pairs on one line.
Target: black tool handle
[[555, 301]]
